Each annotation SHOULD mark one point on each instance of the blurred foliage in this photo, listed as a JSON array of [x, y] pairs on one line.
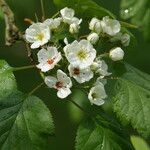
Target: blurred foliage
[[139, 143], [16, 55], [138, 11]]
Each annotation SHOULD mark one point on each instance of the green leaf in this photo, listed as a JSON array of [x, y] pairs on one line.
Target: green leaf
[[7, 79], [132, 100], [86, 8], [25, 123], [139, 143], [139, 13], [92, 135]]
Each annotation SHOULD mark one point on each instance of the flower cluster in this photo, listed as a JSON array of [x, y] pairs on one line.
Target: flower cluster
[[77, 63]]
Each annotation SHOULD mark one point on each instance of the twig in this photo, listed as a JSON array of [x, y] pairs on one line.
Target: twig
[[11, 32], [77, 105], [128, 25], [42, 9], [23, 68], [36, 88]]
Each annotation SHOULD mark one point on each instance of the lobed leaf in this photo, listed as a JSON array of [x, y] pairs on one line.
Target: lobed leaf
[[92, 135], [132, 100], [25, 121]]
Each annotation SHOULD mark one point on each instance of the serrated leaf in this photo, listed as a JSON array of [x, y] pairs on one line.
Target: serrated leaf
[[139, 13], [86, 8], [25, 123], [139, 143], [7, 79], [132, 100], [92, 135]]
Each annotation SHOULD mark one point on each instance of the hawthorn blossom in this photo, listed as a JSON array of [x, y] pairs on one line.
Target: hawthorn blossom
[[93, 38], [125, 39], [80, 54], [74, 28], [53, 23], [100, 67], [62, 83], [116, 54], [68, 16], [48, 58], [97, 94], [38, 34], [110, 26], [95, 25], [80, 75]]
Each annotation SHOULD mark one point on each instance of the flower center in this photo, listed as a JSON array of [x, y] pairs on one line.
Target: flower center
[[94, 95], [40, 36], [50, 61], [59, 85], [76, 71], [82, 54]]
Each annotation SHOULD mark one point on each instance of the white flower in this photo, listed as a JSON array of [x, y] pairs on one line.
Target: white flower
[[38, 34], [67, 14], [53, 23], [80, 54], [97, 94], [125, 39], [80, 75], [116, 54], [76, 20], [95, 25], [100, 80], [74, 28], [62, 83], [93, 38], [100, 67], [48, 58], [116, 38], [110, 26]]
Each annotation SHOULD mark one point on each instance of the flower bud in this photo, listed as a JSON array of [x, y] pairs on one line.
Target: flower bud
[[116, 54], [110, 26], [93, 38], [95, 25], [74, 28], [125, 39]]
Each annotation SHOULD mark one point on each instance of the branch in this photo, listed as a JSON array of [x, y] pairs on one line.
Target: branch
[[11, 32]]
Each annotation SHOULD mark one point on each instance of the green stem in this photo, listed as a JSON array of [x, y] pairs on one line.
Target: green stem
[[23, 68], [128, 25], [42, 75], [77, 105], [55, 15], [42, 9], [36, 88]]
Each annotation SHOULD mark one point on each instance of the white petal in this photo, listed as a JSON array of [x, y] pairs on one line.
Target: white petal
[[61, 76], [63, 92], [97, 94], [35, 45], [45, 67], [50, 81], [42, 55], [66, 41]]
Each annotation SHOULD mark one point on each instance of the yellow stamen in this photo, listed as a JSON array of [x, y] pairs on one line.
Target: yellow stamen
[[40, 36], [82, 54]]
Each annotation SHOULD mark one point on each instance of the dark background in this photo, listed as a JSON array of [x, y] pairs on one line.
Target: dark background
[[66, 116]]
